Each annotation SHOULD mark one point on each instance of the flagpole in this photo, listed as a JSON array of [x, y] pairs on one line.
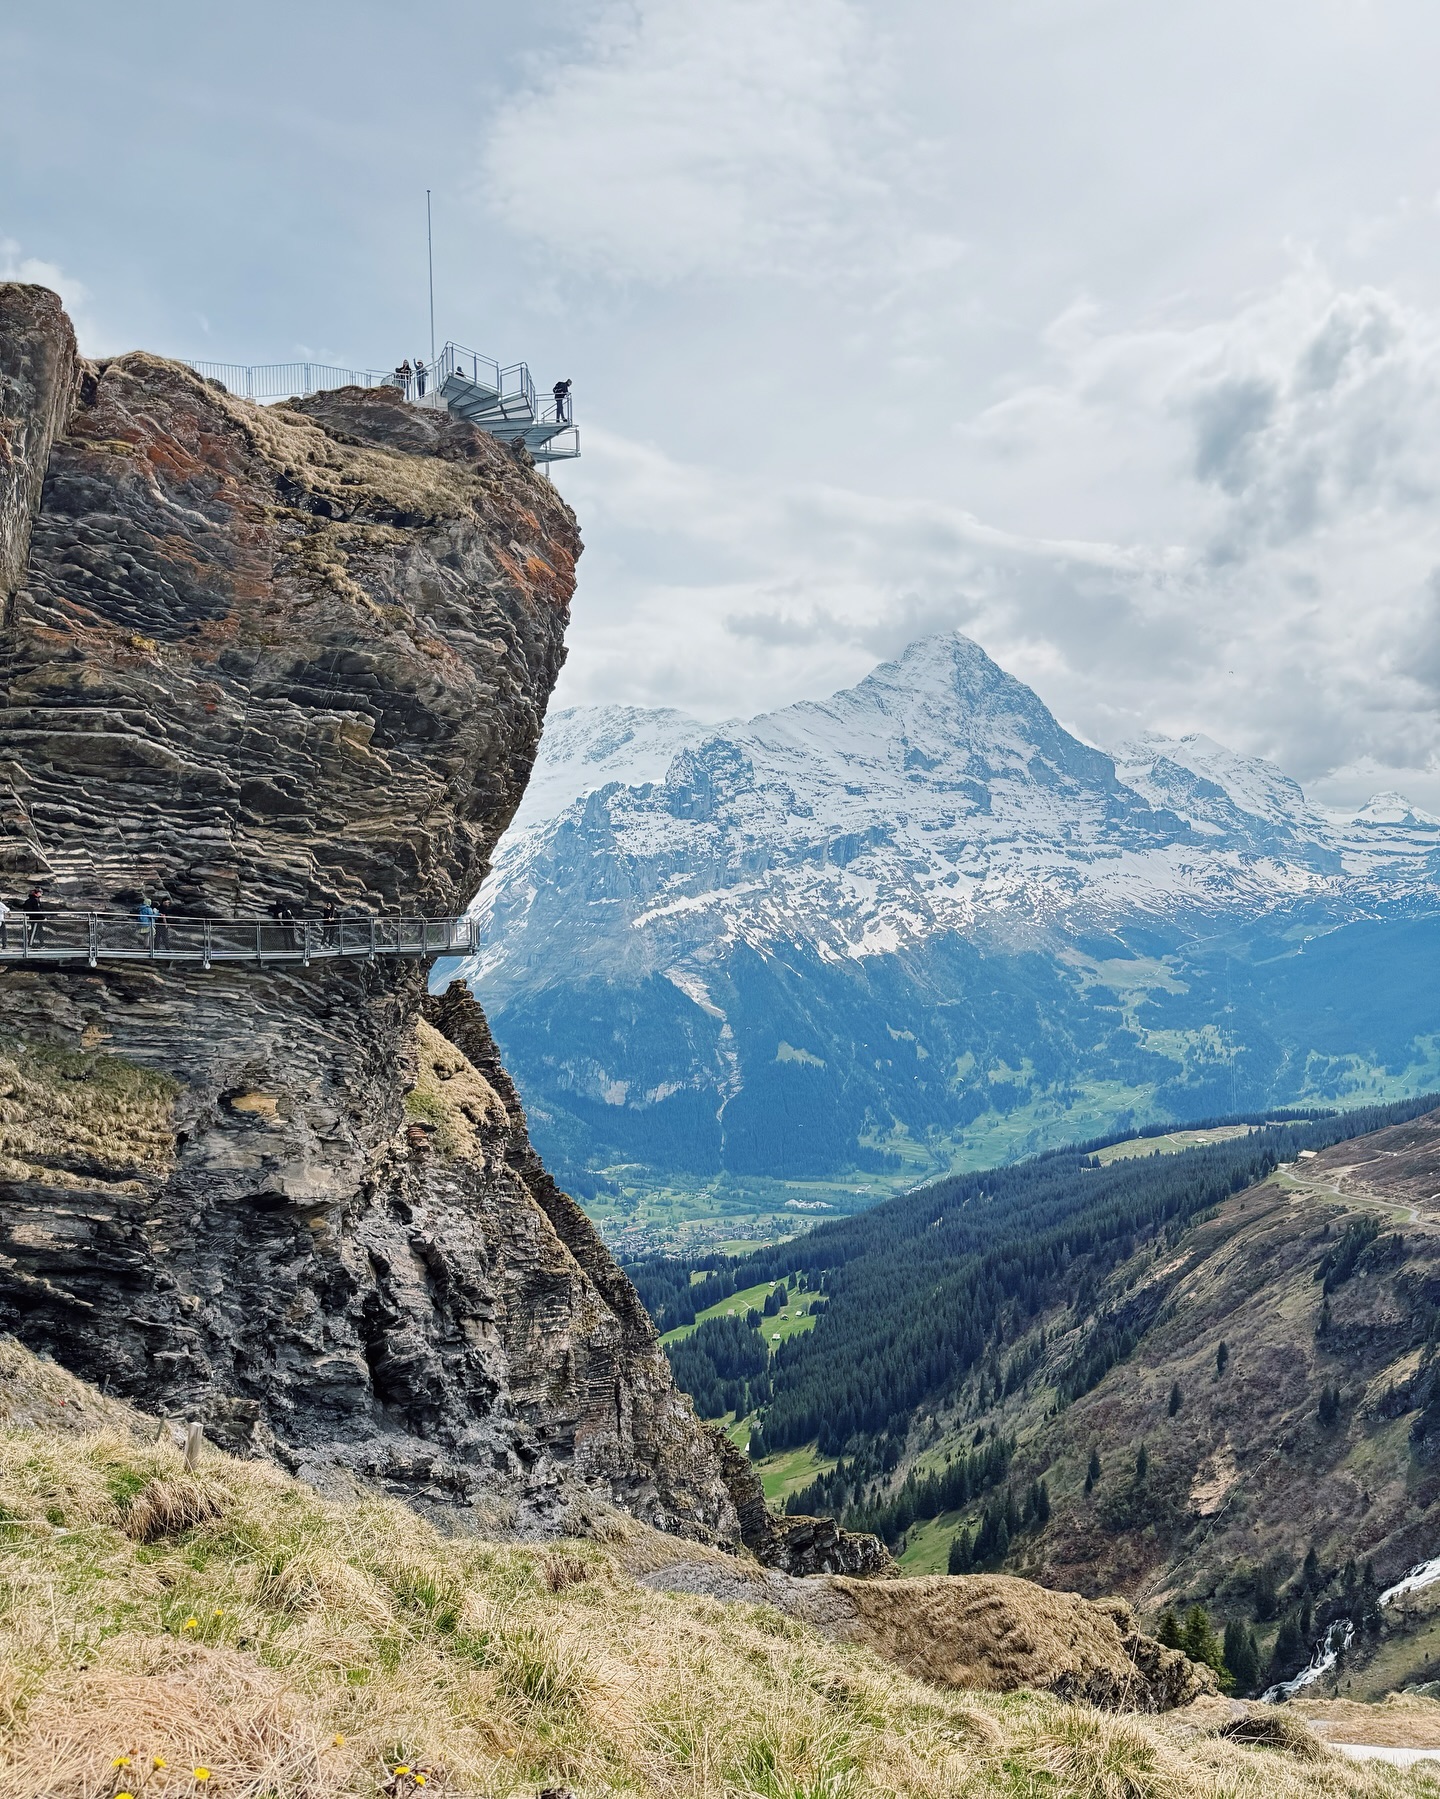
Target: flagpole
[[430, 255]]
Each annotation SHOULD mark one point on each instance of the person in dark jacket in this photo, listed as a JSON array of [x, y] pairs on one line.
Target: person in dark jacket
[[419, 378], [34, 910], [561, 391]]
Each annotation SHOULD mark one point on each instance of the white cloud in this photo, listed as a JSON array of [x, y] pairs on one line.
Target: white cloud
[[1290, 608], [715, 137], [16, 266]]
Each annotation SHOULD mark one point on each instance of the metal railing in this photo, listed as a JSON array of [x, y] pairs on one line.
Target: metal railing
[[499, 400], [93, 937], [288, 380], [513, 387]]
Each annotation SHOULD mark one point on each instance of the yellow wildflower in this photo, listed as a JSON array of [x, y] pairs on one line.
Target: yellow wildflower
[[124, 1796], [159, 1761], [121, 1761], [219, 1611], [419, 1780], [192, 1624], [338, 1741], [403, 1768], [202, 1773]]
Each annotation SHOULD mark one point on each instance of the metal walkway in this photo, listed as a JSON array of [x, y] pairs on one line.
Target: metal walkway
[[94, 937], [502, 401]]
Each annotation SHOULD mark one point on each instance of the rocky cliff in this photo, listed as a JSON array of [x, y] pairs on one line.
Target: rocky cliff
[[293, 655]]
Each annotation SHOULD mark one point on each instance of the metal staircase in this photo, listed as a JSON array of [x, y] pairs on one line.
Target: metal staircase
[[502, 401]]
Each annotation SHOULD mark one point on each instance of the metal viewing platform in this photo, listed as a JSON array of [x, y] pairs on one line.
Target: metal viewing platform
[[94, 937], [502, 401]]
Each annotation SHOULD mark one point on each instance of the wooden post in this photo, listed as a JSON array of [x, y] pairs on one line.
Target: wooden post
[[194, 1437]]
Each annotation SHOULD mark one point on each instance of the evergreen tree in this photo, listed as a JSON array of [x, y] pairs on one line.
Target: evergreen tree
[[1328, 1411], [1199, 1641], [1267, 1594], [962, 1556], [1242, 1655], [1289, 1653], [1142, 1464], [1092, 1473], [1176, 1398], [1310, 1573], [1222, 1358], [1168, 1629]]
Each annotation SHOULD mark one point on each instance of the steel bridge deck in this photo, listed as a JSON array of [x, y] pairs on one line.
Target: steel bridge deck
[[95, 937]]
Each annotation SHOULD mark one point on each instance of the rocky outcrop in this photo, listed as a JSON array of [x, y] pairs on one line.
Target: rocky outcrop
[[987, 1632], [39, 369], [296, 655]]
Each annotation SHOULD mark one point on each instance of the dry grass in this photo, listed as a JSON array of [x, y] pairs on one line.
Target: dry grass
[[301, 1648], [449, 1096], [68, 1117]]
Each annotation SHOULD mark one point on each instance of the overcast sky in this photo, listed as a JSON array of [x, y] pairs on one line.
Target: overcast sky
[[1105, 330]]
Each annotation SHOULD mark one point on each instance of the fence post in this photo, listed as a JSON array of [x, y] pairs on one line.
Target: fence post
[[305, 946], [94, 938], [372, 936], [194, 1437], [206, 944]]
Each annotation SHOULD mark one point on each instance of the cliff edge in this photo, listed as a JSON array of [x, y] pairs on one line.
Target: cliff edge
[[293, 656]]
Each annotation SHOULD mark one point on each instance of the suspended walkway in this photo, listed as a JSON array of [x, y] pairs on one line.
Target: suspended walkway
[[95, 937], [502, 401]]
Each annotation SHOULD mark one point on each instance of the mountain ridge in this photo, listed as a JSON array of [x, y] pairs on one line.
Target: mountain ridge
[[756, 934]]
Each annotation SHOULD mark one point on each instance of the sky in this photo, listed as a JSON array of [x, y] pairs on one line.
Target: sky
[[1106, 332]]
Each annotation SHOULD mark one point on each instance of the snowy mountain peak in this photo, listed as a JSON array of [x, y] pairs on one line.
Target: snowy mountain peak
[[588, 747], [939, 796], [1158, 766], [1392, 808]]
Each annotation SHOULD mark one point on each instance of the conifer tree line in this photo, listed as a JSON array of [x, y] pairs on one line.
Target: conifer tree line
[[841, 1493], [927, 1288]]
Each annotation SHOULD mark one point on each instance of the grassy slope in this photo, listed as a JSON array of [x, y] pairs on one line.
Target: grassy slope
[[927, 1548], [1244, 1471], [294, 1646], [792, 1321]]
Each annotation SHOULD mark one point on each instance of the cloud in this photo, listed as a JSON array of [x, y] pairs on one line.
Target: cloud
[[699, 137], [1290, 604], [15, 266]]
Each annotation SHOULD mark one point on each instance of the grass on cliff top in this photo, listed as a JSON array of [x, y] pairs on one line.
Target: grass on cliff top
[[235, 1634], [69, 1116]]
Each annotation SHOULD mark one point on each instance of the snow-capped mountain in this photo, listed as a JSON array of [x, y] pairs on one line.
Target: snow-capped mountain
[[770, 896]]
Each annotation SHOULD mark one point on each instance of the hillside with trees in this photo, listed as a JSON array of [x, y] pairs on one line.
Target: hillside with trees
[[1202, 1379]]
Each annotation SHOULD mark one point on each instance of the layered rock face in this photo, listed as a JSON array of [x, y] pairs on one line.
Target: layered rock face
[[298, 654]]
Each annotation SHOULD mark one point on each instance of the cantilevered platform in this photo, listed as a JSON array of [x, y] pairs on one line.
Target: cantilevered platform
[[93, 937], [502, 401]]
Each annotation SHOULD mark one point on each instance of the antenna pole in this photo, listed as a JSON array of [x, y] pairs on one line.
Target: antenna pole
[[430, 255]]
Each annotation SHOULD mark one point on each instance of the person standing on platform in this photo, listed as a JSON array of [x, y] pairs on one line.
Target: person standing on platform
[[561, 391], [34, 910]]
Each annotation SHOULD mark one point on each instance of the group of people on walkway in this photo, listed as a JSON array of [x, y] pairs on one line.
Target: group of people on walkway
[[41, 925], [415, 377]]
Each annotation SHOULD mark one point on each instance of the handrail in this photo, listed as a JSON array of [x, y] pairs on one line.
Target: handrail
[[286, 380], [515, 400], [94, 937]]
